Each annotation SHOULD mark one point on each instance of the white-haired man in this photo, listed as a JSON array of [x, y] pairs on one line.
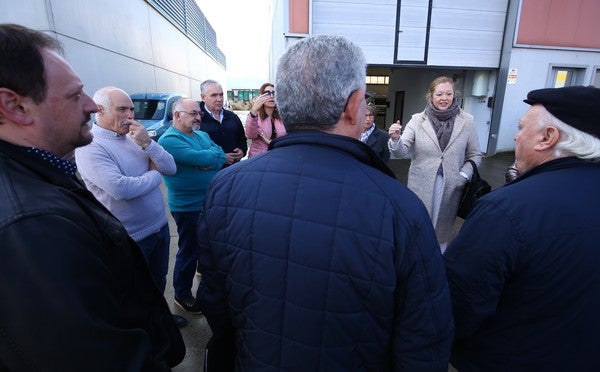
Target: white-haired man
[[523, 271], [123, 168]]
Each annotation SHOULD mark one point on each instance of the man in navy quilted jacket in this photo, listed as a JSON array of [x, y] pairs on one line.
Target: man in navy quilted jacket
[[313, 257], [523, 271]]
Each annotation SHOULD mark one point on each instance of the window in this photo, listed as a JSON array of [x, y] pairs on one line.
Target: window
[[565, 76], [596, 78], [378, 80]]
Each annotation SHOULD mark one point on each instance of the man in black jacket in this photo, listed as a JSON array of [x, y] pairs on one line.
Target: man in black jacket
[[523, 271], [223, 126], [76, 292]]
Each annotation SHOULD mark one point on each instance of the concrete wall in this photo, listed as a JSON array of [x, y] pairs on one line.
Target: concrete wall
[[123, 43]]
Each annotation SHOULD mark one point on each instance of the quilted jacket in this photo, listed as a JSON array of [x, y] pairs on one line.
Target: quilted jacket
[[523, 273], [317, 259]]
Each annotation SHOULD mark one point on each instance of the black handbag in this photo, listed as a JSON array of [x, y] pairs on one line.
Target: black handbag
[[475, 189]]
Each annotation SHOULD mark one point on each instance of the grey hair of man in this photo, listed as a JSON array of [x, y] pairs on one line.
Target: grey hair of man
[[315, 79], [178, 105], [206, 83], [572, 142], [102, 96]]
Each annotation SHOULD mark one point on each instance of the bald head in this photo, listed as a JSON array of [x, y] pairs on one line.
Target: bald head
[[186, 115], [115, 109]]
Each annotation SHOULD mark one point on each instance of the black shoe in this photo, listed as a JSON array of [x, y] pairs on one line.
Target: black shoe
[[180, 321], [189, 305]]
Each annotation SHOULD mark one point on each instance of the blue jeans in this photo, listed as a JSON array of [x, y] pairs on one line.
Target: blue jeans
[[155, 249], [187, 255]]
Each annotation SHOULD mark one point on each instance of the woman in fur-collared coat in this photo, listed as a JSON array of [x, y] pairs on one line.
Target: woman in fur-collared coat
[[442, 138]]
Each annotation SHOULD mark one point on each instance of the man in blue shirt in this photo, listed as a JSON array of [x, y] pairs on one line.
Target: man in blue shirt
[[198, 159]]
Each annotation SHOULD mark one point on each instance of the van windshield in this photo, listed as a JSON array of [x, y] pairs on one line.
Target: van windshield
[[148, 109]]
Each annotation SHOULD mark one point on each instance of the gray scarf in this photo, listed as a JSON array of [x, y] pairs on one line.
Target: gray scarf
[[442, 122]]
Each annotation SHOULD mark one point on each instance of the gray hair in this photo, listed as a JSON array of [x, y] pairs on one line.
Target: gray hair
[[573, 142], [102, 97], [372, 109], [206, 83], [177, 105], [315, 78]]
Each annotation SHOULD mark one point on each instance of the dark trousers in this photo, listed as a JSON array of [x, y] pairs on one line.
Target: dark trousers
[[219, 353], [187, 255], [155, 249]]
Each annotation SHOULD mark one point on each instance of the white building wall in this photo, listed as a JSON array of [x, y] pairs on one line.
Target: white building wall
[[280, 26], [123, 43], [466, 33], [370, 24], [533, 69]]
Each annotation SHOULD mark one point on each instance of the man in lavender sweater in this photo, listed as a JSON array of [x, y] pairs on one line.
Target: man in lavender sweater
[[123, 168]]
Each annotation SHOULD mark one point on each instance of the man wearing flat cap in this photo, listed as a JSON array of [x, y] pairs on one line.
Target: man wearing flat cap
[[524, 271]]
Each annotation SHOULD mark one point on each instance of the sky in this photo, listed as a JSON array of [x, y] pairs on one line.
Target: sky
[[242, 28]]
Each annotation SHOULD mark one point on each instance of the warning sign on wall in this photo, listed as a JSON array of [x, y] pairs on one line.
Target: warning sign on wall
[[512, 76]]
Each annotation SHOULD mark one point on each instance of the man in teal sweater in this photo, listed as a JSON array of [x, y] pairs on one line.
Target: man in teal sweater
[[198, 159]]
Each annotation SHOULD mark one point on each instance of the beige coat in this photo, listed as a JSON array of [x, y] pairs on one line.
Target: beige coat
[[419, 136]]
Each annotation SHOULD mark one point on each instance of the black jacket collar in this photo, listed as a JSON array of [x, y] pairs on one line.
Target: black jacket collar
[[354, 147]]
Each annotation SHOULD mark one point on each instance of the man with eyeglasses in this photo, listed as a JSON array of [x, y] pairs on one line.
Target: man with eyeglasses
[[223, 126], [123, 168], [198, 159], [374, 137]]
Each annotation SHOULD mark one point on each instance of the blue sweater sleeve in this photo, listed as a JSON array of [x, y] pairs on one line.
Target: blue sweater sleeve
[[197, 151]]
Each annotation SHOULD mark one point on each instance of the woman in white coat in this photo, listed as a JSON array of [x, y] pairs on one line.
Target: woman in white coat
[[442, 138]]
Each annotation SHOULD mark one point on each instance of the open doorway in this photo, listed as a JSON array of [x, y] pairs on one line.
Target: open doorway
[[398, 107]]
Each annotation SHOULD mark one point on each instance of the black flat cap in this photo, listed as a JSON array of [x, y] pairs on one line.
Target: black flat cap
[[576, 105]]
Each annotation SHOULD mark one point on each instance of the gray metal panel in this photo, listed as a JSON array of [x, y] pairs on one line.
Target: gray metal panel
[[371, 25], [465, 48], [195, 26], [173, 9], [413, 22], [467, 33]]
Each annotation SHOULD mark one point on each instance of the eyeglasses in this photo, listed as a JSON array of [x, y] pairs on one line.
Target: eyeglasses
[[270, 93], [369, 115], [192, 113]]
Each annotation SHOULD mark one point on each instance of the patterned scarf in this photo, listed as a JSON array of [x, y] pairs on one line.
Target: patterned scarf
[[442, 121]]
